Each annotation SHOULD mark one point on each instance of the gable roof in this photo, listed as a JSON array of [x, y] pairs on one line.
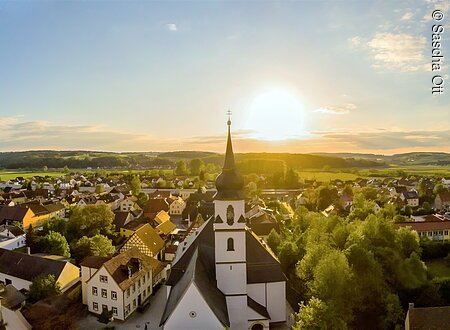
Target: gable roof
[[436, 318], [262, 265], [197, 272], [150, 238], [117, 267], [166, 227], [27, 267], [258, 308], [13, 213]]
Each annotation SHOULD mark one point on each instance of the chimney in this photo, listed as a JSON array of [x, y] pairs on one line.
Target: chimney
[[28, 250]]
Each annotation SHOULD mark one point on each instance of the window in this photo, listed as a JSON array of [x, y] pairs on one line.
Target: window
[[103, 279], [128, 292], [104, 307], [113, 295], [104, 293], [114, 310], [95, 306], [94, 291], [230, 215], [430, 233], [133, 288], [127, 309], [230, 244], [446, 232], [134, 303], [7, 281]]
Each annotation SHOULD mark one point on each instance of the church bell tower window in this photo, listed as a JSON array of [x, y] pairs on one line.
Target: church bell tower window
[[230, 215], [230, 244]]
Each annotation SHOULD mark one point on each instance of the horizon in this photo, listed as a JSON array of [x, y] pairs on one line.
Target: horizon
[[299, 77]]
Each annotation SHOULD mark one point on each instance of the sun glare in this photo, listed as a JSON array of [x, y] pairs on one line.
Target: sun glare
[[275, 115]]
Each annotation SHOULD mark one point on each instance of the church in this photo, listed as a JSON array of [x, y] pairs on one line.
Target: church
[[223, 275]]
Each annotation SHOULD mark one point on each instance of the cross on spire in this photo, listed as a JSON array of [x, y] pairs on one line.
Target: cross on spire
[[229, 117]]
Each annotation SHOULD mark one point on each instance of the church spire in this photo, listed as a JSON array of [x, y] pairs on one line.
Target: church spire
[[229, 155], [229, 183]]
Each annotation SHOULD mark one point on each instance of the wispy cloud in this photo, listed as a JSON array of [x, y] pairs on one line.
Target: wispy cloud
[[171, 27], [407, 16], [337, 110], [401, 52]]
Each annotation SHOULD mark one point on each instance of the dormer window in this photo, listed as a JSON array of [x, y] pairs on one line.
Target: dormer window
[[230, 244], [230, 215]]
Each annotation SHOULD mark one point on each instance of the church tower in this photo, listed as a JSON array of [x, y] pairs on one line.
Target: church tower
[[229, 232]]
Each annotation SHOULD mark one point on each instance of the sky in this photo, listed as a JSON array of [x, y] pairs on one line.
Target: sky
[[298, 76]]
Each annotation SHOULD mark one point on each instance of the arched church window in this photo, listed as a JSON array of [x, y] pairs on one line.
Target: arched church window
[[230, 244], [257, 326], [230, 215]]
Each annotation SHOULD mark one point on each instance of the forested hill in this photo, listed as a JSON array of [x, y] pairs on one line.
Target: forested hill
[[410, 158], [248, 162]]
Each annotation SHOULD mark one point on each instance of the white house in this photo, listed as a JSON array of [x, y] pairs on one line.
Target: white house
[[177, 206], [223, 275], [119, 284], [19, 269], [128, 204], [410, 198], [11, 237]]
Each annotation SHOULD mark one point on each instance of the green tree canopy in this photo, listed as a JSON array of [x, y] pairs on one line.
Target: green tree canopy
[[43, 287], [90, 220], [136, 185]]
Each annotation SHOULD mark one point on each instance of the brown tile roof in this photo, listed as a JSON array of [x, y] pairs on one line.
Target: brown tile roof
[[150, 237], [13, 213], [117, 267], [426, 225], [156, 205], [94, 261], [425, 318], [166, 227]]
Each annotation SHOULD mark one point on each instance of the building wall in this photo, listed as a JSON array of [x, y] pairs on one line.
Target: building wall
[[86, 274], [18, 283], [14, 320], [192, 313], [108, 301], [276, 301], [13, 243], [436, 235], [257, 292], [69, 276]]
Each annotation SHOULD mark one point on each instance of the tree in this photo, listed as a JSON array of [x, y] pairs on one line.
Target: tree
[[31, 239], [43, 287], [142, 199], [55, 224], [181, 168], [348, 190], [273, 240], [136, 185], [55, 243], [99, 188], [326, 196], [66, 169], [90, 220], [316, 315], [196, 165], [45, 168], [106, 316], [97, 245], [291, 179], [438, 188]]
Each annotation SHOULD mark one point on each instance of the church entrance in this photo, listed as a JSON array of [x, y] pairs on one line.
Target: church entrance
[[257, 326]]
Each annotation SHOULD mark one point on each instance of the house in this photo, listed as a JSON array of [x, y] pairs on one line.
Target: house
[[177, 206], [425, 318], [23, 215], [19, 269], [128, 204], [261, 221], [442, 201], [396, 191], [153, 206], [223, 276], [410, 198], [121, 283], [11, 301], [11, 237], [434, 230], [446, 182], [147, 240], [162, 216]]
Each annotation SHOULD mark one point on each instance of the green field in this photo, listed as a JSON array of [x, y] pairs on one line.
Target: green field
[[438, 268], [7, 175], [325, 176]]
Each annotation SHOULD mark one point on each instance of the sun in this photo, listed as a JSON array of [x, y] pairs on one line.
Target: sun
[[275, 115]]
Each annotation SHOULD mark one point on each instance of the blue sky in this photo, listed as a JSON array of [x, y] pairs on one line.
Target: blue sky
[[150, 76]]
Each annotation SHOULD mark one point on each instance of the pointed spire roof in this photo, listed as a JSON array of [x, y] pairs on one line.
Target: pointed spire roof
[[229, 183]]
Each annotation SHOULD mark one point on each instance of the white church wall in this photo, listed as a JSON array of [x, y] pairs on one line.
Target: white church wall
[[257, 292], [237, 305], [192, 313], [276, 301], [227, 276], [222, 254]]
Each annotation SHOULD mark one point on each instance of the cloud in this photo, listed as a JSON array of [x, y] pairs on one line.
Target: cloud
[[35, 135], [337, 110], [171, 27], [400, 52], [432, 5], [407, 16], [355, 42]]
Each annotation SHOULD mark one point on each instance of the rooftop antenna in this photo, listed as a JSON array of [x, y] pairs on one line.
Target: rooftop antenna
[[229, 117]]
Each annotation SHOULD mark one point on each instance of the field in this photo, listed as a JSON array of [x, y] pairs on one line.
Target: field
[[326, 176], [438, 267], [7, 175]]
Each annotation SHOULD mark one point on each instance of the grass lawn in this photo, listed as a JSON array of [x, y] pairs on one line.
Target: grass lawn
[[438, 268], [6, 175]]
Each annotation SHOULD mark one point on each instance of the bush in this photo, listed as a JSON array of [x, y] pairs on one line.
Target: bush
[[434, 250]]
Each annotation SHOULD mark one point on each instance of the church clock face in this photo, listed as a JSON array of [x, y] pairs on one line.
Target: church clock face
[[230, 215]]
